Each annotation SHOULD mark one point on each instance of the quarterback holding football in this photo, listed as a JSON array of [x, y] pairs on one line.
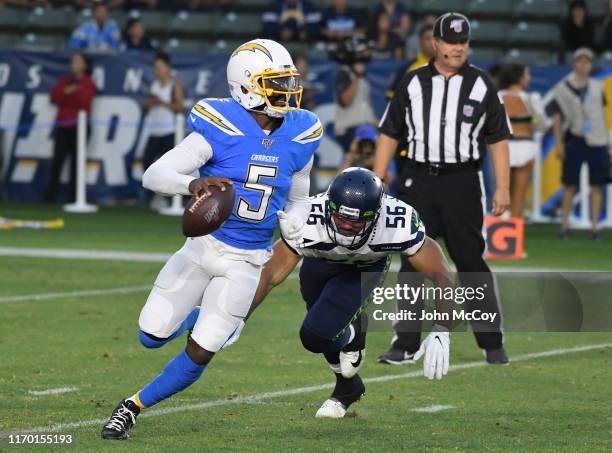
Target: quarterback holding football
[[260, 142]]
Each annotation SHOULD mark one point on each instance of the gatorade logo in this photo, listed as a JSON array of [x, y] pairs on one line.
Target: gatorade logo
[[504, 238]]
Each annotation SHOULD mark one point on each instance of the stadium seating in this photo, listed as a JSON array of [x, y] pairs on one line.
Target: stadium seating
[[50, 19], [535, 33], [540, 9], [498, 8], [498, 24], [490, 31]]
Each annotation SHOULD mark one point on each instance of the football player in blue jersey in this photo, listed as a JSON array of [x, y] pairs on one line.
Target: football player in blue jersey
[[346, 239], [262, 143]]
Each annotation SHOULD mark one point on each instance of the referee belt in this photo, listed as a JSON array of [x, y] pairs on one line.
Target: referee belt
[[439, 169]]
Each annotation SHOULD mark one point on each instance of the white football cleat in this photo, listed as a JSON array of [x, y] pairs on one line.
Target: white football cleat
[[331, 408], [351, 362]]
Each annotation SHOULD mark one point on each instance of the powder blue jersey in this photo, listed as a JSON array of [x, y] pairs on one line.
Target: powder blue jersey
[[260, 165]]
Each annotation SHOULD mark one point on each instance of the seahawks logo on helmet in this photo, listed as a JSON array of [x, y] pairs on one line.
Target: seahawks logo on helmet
[[353, 197]]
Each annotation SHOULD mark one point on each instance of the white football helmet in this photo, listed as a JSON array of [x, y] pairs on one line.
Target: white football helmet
[[262, 77]]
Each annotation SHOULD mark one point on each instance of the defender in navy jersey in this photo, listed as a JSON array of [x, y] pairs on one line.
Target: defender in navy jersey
[[262, 143], [346, 241]]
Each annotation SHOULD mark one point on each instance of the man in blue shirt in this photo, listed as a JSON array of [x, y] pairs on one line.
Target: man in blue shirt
[[99, 33]]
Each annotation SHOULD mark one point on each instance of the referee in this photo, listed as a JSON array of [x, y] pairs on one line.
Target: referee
[[447, 113]]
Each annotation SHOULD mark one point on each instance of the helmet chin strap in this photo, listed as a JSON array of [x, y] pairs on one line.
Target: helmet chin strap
[[273, 112], [266, 110]]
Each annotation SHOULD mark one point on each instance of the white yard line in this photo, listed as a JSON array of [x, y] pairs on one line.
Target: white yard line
[[311, 389], [81, 293], [432, 409], [105, 255], [57, 391], [147, 257]]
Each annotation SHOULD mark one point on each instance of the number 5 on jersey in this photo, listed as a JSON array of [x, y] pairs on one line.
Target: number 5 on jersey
[[255, 173]]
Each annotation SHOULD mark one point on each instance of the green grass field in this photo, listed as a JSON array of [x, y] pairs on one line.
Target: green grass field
[[262, 393]]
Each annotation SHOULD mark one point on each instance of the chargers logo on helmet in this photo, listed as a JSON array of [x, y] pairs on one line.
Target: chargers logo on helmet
[[262, 77], [253, 47]]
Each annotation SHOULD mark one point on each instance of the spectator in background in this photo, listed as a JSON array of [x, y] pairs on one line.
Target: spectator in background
[[581, 132], [605, 39], [353, 103], [291, 20], [26, 4], [72, 93], [199, 5], [413, 43], [129, 5], [387, 44], [301, 64], [90, 4], [340, 21], [99, 33], [361, 150], [526, 113], [400, 19], [164, 101], [578, 30], [134, 36]]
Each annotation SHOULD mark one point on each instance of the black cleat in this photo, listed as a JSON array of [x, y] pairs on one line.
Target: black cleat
[[121, 421], [396, 356], [346, 392], [497, 356]]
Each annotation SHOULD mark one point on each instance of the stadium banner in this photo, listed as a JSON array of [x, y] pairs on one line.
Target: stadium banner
[[117, 131]]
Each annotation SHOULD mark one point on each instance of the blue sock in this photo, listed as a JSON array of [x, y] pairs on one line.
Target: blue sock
[[187, 324], [178, 374]]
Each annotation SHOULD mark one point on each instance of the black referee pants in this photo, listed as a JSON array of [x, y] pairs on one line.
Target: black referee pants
[[64, 148], [451, 206]]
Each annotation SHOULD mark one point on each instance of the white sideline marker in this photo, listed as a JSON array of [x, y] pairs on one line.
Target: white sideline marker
[[83, 293], [57, 391], [311, 389], [432, 409]]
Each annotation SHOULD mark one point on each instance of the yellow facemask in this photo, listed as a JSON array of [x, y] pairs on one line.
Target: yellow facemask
[[270, 84]]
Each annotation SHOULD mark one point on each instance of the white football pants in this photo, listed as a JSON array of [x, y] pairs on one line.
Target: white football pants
[[200, 273]]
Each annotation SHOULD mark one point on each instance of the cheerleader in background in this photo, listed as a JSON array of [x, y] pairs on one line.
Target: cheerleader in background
[[526, 113]]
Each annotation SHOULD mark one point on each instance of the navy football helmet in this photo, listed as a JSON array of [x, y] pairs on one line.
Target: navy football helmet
[[352, 207]]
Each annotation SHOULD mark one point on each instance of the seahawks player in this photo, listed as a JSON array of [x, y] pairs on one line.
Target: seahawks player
[[346, 241], [262, 143]]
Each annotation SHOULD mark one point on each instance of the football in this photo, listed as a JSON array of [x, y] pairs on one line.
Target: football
[[205, 214]]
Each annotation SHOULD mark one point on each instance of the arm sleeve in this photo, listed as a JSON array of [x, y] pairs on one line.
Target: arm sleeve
[[497, 124], [171, 173], [297, 200], [78, 38], [393, 121], [58, 91]]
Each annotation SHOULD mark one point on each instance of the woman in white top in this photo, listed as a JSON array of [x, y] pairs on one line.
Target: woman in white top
[[164, 101], [526, 113]]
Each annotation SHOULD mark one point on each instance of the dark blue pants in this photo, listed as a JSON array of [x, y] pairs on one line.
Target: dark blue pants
[[334, 294]]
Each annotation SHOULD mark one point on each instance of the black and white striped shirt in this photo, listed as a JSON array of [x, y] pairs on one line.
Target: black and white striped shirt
[[446, 120]]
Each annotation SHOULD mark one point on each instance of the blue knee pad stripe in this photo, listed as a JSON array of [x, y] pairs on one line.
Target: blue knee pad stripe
[[178, 374]]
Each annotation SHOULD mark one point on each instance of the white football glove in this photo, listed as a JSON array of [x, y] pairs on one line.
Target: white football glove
[[436, 349], [234, 337], [291, 227]]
